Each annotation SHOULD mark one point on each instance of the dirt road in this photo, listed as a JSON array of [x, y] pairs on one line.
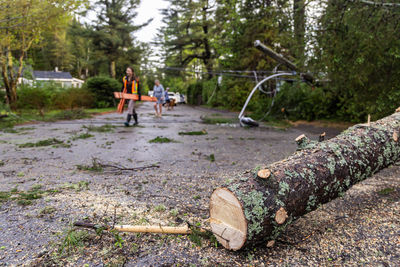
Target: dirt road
[[53, 174]]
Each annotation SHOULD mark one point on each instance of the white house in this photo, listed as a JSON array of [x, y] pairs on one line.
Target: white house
[[60, 77]]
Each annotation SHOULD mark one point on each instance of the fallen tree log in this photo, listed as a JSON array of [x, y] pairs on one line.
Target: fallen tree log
[[258, 206]]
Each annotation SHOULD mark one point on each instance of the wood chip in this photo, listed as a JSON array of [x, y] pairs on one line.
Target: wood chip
[[264, 174], [300, 137], [270, 243], [281, 216]]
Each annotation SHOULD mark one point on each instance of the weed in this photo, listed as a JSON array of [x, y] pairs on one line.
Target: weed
[[9, 130], [159, 208], [4, 196], [203, 132], [30, 195], [46, 142], [198, 235], [96, 166], [386, 191], [174, 212], [218, 120], [93, 168], [211, 157], [24, 202], [20, 174], [14, 190], [101, 129], [46, 210], [196, 197], [143, 221], [160, 139], [72, 240], [82, 136], [79, 186], [118, 239], [36, 187]]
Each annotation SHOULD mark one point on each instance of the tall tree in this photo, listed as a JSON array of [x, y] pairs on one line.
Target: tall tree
[[22, 24], [113, 31], [299, 30], [190, 33], [357, 49]]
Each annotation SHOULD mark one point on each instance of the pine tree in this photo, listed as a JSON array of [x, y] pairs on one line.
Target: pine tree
[[112, 33]]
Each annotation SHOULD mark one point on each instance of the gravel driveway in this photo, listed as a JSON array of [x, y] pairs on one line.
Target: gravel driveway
[[53, 174]]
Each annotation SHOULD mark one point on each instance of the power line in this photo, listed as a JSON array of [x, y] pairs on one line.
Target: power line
[[231, 73], [379, 4]]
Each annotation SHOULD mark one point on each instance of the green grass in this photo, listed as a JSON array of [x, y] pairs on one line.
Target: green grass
[[100, 129], [4, 196], [82, 136], [203, 132], [93, 168], [218, 120], [386, 191], [211, 157], [160, 139], [159, 208], [46, 142], [72, 240], [79, 186], [25, 198], [100, 110], [279, 124], [24, 116]]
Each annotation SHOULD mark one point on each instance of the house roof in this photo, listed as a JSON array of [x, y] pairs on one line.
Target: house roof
[[38, 74]]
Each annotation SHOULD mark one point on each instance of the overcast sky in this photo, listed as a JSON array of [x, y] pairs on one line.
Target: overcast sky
[[149, 9]]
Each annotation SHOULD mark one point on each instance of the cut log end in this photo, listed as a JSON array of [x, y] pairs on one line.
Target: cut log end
[[227, 219], [264, 174], [281, 216]]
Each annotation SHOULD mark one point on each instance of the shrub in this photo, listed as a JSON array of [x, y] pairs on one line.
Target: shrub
[[102, 89], [71, 98], [194, 93], [38, 98]]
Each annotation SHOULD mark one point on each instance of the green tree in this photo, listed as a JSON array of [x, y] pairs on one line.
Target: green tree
[[112, 33], [22, 24], [189, 35], [357, 49]]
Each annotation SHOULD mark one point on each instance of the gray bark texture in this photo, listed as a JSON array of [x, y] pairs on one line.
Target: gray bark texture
[[318, 173]]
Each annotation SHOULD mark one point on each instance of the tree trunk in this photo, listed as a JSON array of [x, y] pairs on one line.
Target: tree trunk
[[112, 69], [257, 207], [299, 22], [8, 77]]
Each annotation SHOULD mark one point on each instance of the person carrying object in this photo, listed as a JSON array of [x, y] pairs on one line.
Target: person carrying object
[[131, 86]]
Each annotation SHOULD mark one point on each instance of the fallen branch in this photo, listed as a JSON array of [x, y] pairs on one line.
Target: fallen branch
[[183, 230], [117, 168]]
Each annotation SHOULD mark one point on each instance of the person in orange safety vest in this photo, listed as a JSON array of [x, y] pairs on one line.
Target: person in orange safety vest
[[131, 86]]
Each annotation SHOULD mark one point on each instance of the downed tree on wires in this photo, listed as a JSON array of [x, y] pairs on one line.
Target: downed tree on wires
[[257, 207]]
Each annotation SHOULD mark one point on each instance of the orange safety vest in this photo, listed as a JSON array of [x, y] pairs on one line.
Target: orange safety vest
[[134, 86]]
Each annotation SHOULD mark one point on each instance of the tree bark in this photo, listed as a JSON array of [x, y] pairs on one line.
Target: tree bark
[[299, 22], [257, 207], [112, 69]]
